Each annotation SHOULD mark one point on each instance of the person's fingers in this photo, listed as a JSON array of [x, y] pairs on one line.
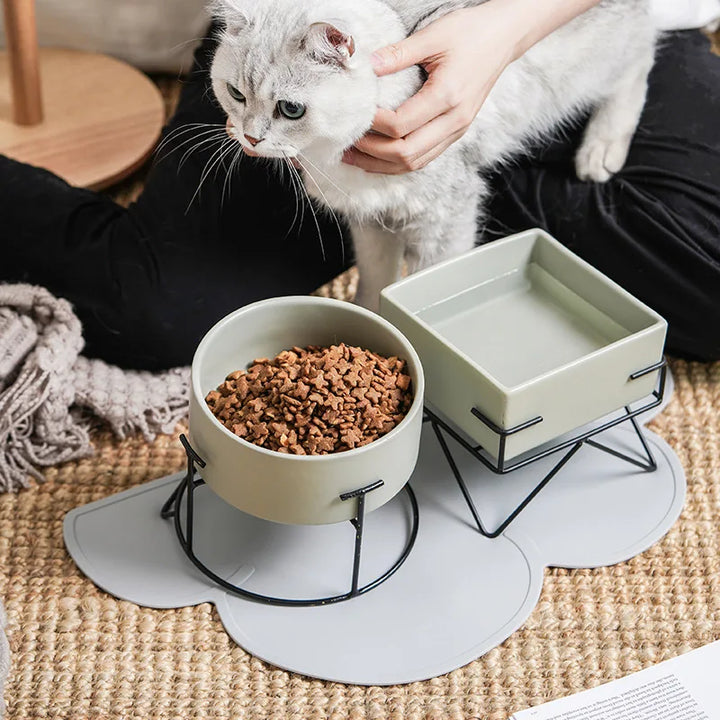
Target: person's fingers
[[415, 112], [439, 133], [413, 50], [405, 152], [379, 146], [396, 161], [438, 95], [437, 150], [371, 164]]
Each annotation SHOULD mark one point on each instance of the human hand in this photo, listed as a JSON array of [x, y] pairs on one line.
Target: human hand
[[463, 54]]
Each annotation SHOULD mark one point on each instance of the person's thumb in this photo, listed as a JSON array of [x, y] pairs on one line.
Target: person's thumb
[[400, 55]]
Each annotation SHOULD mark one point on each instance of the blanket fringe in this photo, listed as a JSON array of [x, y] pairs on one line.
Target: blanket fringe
[[45, 383], [18, 405]]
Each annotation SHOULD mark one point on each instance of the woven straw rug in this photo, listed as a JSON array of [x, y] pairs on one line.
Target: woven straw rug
[[79, 654]]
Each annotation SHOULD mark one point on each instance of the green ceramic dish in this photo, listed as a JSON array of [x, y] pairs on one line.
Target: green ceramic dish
[[521, 328], [300, 489]]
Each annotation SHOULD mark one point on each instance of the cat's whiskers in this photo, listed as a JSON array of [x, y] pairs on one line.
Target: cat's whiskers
[[215, 158], [221, 161], [181, 129], [294, 170], [184, 130], [187, 42], [327, 205], [237, 158], [219, 137], [299, 204], [327, 177], [228, 175]]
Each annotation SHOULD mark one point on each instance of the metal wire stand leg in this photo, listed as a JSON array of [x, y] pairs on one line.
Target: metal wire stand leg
[[188, 485], [648, 465], [439, 426], [468, 498]]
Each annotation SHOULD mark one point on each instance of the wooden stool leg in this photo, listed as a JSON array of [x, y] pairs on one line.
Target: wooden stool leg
[[22, 44]]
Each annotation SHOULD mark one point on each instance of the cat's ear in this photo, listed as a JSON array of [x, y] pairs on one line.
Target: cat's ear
[[232, 14], [329, 45]]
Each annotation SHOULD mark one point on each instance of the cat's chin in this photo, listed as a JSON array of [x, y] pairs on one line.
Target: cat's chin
[[270, 154], [289, 154]]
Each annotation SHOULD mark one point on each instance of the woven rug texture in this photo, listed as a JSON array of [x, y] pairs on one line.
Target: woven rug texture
[[80, 654]]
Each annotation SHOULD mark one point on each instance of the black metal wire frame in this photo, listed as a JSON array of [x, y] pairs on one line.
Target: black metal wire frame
[[501, 466], [190, 482]]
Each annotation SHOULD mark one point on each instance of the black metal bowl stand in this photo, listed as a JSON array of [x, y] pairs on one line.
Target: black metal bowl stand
[[191, 481], [502, 466]]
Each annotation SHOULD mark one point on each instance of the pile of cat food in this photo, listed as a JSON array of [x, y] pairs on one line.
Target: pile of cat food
[[314, 400]]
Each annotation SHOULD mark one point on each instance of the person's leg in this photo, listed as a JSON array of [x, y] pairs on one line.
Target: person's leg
[[655, 226], [149, 281]]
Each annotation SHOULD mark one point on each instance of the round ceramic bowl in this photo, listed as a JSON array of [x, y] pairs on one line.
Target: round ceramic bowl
[[299, 489]]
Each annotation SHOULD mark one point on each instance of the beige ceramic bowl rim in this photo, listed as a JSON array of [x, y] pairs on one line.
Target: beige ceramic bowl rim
[[309, 300]]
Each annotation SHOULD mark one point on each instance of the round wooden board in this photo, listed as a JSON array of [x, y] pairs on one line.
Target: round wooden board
[[102, 118]]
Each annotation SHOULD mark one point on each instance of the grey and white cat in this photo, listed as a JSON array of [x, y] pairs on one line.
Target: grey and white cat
[[296, 81]]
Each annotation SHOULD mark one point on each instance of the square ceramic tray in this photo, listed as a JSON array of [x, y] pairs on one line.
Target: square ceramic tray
[[522, 328]]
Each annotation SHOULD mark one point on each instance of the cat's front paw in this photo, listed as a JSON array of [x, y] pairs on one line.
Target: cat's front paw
[[598, 159]]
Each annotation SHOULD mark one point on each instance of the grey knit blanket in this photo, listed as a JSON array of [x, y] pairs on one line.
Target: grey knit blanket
[[48, 390]]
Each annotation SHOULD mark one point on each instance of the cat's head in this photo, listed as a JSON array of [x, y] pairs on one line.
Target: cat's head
[[294, 75]]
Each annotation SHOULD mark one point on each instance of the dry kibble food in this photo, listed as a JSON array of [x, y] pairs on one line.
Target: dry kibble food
[[314, 400]]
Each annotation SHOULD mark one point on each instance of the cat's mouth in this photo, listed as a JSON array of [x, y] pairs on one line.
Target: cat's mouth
[[248, 149]]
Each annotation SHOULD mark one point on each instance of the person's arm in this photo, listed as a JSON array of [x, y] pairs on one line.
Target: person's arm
[[464, 53]]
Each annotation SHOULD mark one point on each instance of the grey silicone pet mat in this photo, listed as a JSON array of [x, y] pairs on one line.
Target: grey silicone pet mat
[[458, 594]]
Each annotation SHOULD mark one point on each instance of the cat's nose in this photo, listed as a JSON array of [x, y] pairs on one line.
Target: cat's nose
[[252, 140]]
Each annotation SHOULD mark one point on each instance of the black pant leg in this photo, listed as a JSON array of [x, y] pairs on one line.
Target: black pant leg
[[149, 281], [655, 227]]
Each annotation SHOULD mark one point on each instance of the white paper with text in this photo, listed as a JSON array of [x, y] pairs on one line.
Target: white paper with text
[[683, 688]]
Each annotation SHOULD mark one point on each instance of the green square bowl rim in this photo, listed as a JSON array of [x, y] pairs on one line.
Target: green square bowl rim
[[420, 276]]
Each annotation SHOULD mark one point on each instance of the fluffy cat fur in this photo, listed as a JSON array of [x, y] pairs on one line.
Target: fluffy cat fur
[[317, 52]]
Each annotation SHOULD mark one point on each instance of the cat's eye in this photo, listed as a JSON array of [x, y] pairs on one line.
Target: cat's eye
[[235, 94], [291, 110]]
